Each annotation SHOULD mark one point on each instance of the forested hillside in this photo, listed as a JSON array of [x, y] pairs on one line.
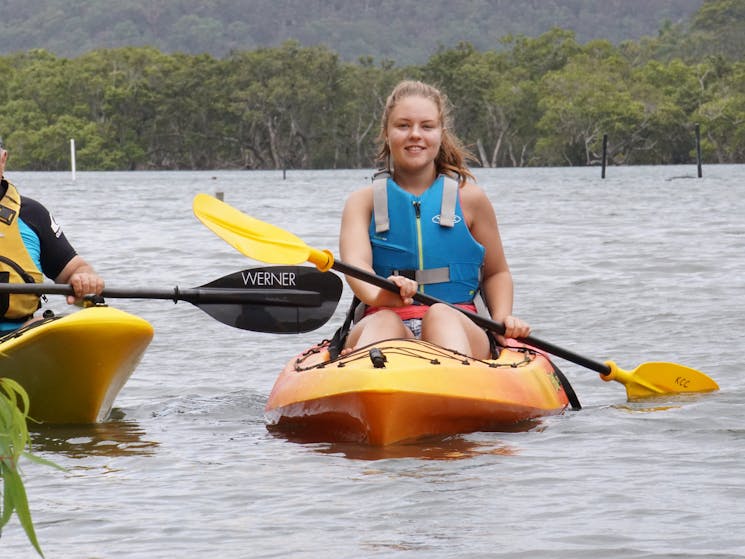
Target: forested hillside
[[404, 31], [545, 100]]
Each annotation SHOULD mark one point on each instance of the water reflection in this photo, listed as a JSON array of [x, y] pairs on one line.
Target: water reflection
[[451, 448], [115, 437], [442, 447], [662, 402]]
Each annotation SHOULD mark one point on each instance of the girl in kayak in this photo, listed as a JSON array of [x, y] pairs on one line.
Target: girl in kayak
[[425, 225]]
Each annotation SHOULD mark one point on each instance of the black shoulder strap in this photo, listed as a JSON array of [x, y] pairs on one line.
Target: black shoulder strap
[[340, 336]]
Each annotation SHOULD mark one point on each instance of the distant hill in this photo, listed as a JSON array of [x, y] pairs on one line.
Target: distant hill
[[403, 31]]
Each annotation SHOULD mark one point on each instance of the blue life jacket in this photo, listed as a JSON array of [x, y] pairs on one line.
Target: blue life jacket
[[425, 238]]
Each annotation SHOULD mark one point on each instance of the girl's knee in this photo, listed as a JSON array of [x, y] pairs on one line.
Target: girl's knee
[[381, 325], [438, 320], [440, 312], [384, 316]]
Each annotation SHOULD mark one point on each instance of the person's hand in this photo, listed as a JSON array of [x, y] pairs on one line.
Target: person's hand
[[406, 288], [513, 328], [85, 283]]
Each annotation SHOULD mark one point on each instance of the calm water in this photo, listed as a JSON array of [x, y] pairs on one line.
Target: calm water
[[646, 265]]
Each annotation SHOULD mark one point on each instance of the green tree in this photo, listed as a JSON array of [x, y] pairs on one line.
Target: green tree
[[495, 103], [464, 75], [722, 118], [547, 53], [191, 127], [587, 98], [718, 27], [669, 92], [363, 89], [284, 100], [545, 100]]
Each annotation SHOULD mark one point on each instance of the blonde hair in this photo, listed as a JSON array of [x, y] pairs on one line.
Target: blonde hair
[[452, 157]]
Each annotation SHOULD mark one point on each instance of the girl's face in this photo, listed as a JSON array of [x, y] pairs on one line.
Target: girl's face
[[414, 133]]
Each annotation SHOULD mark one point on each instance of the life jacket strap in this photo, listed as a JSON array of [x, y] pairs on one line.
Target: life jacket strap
[[380, 205], [426, 277], [449, 199], [380, 201]]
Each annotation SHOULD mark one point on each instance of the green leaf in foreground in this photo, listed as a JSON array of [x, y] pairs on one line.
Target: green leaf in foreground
[[14, 439]]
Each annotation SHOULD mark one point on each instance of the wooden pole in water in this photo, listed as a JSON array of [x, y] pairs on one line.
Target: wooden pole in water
[[72, 157], [605, 154], [698, 149]]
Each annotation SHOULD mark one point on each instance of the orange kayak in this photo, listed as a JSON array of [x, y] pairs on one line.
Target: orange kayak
[[400, 390], [73, 366]]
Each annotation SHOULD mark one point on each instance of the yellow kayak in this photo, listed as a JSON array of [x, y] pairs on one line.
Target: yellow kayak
[[73, 366], [400, 390]]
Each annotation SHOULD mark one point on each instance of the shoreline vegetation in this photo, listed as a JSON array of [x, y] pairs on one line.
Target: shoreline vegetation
[[542, 101]]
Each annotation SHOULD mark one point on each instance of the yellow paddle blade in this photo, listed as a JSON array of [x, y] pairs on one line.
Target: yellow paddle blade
[[655, 378], [249, 236]]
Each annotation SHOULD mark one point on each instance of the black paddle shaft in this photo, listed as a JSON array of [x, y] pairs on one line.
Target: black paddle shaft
[[274, 299], [484, 322], [203, 295]]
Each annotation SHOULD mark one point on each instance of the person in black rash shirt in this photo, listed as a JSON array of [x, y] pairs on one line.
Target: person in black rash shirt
[[32, 245]]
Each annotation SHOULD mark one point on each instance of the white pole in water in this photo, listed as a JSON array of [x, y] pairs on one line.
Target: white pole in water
[[72, 157]]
